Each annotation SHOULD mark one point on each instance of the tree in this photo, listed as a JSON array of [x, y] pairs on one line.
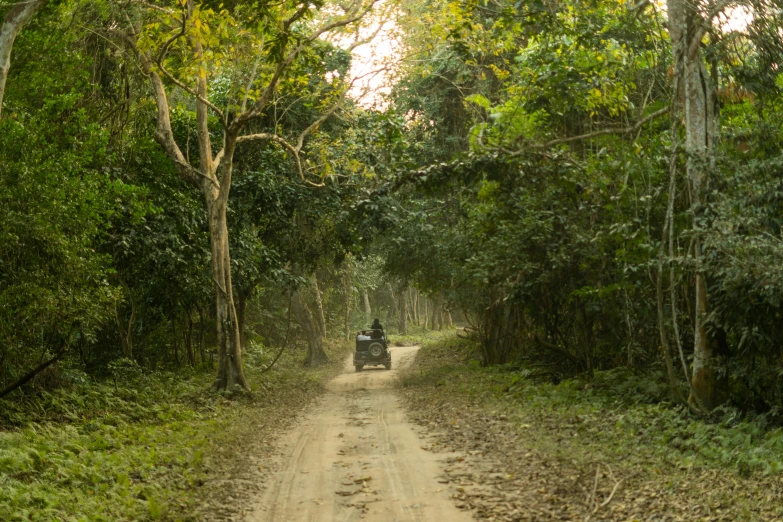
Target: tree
[[200, 38], [695, 92], [403, 309], [316, 355], [347, 296]]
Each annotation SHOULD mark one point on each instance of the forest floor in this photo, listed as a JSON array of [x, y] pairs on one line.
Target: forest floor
[[583, 451]]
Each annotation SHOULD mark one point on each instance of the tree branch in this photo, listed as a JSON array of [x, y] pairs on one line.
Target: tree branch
[[325, 116], [263, 100], [282, 141], [179, 83], [32, 373], [602, 132], [285, 342]]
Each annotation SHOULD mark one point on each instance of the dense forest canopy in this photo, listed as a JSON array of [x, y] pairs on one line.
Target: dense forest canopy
[[585, 185]]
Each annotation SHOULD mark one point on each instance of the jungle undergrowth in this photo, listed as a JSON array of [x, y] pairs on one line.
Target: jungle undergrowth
[[98, 451]]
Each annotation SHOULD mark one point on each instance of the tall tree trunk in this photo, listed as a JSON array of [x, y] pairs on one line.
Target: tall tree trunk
[[213, 173], [686, 29], [229, 343], [426, 317], [215, 191], [319, 306], [415, 300], [435, 308], [15, 19], [366, 303], [393, 306], [347, 297], [126, 333], [667, 225], [316, 355], [410, 306], [403, 311]]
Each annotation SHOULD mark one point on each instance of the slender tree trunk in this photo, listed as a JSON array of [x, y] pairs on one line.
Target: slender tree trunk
[[15, 19], [347, 297], [585, 334], [126, 334], [687, 28], [229, 343], [411, 306], [214, 172], [403, 311], [215, 191], [366, 302], [703, 380], [435, 308], [316, 355], [415, 299], [393, 306], [319, 306], [667, 358]]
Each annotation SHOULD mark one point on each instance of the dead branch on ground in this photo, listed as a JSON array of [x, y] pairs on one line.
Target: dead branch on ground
[[592, 504]]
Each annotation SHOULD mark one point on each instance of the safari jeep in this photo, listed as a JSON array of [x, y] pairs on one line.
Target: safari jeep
[[372, 349]]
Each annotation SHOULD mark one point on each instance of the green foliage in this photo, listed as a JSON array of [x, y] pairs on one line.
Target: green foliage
[[55, 290], [125, 453], [541, 212], [139, 450]]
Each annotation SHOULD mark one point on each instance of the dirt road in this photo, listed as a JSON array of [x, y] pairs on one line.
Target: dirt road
[[355, 457]]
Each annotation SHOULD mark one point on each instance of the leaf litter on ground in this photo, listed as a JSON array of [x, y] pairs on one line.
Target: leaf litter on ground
[[532, 455]]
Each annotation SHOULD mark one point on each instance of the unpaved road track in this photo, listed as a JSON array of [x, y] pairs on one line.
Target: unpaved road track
[[355, 457]]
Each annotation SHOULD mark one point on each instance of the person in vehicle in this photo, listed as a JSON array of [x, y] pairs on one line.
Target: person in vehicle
[[377, 328]]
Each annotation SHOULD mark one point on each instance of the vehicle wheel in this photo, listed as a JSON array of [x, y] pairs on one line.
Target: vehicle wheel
[[388, 365], [359, 367], [376, 349]]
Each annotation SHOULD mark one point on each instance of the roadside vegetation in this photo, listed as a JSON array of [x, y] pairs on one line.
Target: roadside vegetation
[[623, 423], [151, 446]]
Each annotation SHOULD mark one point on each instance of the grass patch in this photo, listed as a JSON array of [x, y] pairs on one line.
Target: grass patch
[[418, 335], [140, 450]]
